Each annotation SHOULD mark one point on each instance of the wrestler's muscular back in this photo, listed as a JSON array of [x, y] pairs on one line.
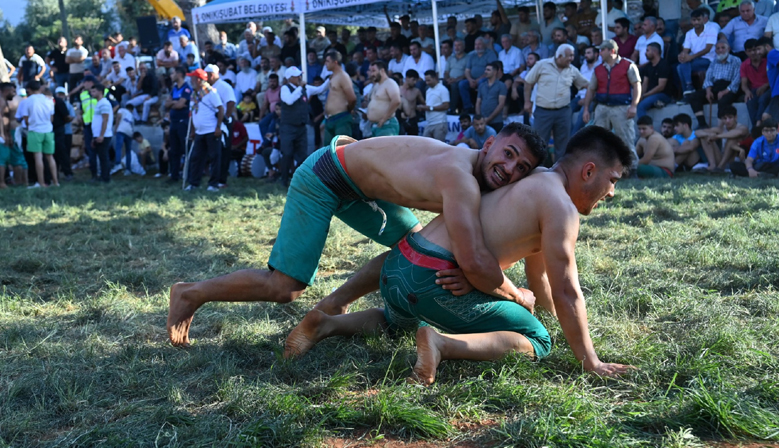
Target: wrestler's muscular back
[[337, 99], [407, 170]]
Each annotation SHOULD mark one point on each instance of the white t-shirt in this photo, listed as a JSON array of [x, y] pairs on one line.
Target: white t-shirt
[[436, 96], [395, 66], [125, 119], [245, 81], [773, 28], [427, 43], [116, 77], [696, 43], [204, 114], [425, 63], [103, 107], [511, 59], [611, 18], [642, 44], [39, 110], [77, 67], [127, 61], [226, 93]]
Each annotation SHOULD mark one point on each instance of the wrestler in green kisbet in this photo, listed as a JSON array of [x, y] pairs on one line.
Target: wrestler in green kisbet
[[368, 185], [535, 219]]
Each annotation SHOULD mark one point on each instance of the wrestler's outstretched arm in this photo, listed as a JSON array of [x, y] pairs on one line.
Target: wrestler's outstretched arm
[[560, 229]]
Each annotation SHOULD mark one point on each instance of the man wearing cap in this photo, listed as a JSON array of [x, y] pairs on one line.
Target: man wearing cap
[[175, 32], [227, 95], [384, 100], [178, 105], [320, 42], [340, 101], [206, 131], [269, 37], [293, 134], [616, 86]]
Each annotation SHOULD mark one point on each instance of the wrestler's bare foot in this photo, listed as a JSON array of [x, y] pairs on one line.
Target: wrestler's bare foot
[[305, 335], [428, 356], [180, 313], [330, 306]]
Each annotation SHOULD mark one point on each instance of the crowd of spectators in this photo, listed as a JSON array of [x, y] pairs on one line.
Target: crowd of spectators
[[558, 76]]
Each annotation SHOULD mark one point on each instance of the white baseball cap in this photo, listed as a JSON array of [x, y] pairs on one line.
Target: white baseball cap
[[61, 90], [292, 71], [211, 68]]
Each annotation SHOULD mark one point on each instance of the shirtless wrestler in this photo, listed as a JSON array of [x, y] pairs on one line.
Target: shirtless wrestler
[[10, 153], [656, 155], [384, 101], [730, 132], [410, 97], [367, 185], [340, 99], [535, 219]]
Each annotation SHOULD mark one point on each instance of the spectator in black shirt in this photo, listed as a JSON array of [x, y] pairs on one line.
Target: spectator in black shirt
[[61, 118], [473, 33], [56, 58], [656, 81], [397, 38], [146, 94], [332, 35], [212, 56], [291, 48]]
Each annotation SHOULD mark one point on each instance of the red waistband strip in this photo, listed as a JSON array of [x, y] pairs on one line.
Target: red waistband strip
[[422, 260], [339, 151]]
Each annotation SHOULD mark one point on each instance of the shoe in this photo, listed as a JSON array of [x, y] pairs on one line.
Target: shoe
[[659, 104], [190, 188], [212, 188], [127, 172], [688, 92], [682, 102], [700, 168], [158, 175], [222, 185], [36, 185], [118, 167]]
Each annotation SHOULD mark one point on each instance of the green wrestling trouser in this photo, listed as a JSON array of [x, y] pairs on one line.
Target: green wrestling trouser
[[11, 154], [338, 124], [412, 298], [651, 171], [320, 189], [390, 127]]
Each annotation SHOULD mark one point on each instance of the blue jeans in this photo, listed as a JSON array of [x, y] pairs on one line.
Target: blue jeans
[[757, 105], [645, 104], [579, 122], [61, 78], [122, 139], [688, 68], [465, 92]]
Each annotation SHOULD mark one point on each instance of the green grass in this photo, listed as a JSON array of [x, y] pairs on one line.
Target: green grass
[[681, 280]]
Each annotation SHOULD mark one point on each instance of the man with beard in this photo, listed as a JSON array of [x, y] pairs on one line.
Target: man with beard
[[384, 101], [340, 101], [368, 185]]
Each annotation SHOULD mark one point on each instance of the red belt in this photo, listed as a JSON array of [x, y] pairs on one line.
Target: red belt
[[422, 260], [339, 151]]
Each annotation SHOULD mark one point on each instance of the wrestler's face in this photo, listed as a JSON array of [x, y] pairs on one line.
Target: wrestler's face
[[645, 130], [374, 74], [729, 121], [506, 160], [599, 183]]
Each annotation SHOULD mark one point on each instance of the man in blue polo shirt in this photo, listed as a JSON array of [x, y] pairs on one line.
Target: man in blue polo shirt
[[763, 157], [175, 32], [178, 105]]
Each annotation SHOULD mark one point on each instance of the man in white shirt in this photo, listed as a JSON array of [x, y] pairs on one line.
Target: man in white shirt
[[37, 117], [31, 66], [398, 59], [102, 130], [649, 36], [227, 95], [245, 79], [697, 50], [124, 59], [419, 61], [206, 131], [772, 29], [427, 43], [76, 57], [435, 107], [611, 17], [510, 56], [592, 59]]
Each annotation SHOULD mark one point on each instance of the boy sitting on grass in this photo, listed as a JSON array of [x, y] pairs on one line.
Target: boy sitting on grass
[[657, 157], [144, 152], [730, 132], [685, 144], [763, 158]]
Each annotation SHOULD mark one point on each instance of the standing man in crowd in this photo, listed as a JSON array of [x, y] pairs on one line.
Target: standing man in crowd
[[616, 86], [436, 105], [492, 97], [657, 157], [178, 105], [295, 118], [31, 66], [721, 85], [384, 101], [62, 118], [175, 32], [227, 95], [554, 78], [697, 50], [206, 132], [551, 22], [75, 57], [102, 130], [57, 59], [340, 101], [37, 117]]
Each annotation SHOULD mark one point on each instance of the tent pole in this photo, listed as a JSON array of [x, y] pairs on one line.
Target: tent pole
[[437, 41], [541, 21], [303, 55], [604, 11]]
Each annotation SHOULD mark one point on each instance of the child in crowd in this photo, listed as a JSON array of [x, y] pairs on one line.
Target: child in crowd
[[763, 157], [247, 108], [123, 130], [143, 150], [191, 64]]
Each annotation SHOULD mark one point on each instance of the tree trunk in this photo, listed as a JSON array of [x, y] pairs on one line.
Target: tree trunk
[[204, 32], [64, 19], [3, 69]]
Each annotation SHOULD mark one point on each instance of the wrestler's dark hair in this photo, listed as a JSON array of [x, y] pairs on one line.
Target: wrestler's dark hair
[[334, 56], [683, 119], [623, 22], [534, 142], [603, 144], [6, 85], [432, 74], [668, 120], [380, 65], [727, 111], [646, 120], [698, 13]]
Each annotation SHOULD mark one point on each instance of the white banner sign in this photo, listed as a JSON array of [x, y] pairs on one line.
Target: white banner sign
[[245, 10]]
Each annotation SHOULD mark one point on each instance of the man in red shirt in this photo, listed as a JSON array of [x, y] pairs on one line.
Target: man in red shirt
[[626, 41], [754, 81]]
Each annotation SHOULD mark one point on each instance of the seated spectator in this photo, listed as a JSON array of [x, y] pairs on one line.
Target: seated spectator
[[670, 45], [656, 155], [146, 93], [581, 41], [667, 128], [730, 133], [772, 65], [95, 67], [475, 72], [650, 35], [478, 133], [656, 86], [721, 85], [454, 73], [420, 61], [191, 64], [272, 95], [271, 50], [754, 81], [510, 56], [747, 26], [763, 157], [249, 47], [625, 40], [696, 4], [697, 50], [465, 124], [291, 48], [188, 47], [685, 145], [320, 42], [268, 36], [426, 43], [228, 50], [560, 37], [167, 59], [534, 46], [143, 150], [246, 109], [211, 56], [245, 79]]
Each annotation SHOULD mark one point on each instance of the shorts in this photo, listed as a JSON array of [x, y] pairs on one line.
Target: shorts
[[391, 127], [338, 124], [653, 172], [40, 142], [320, 189], [412, 298], [16, 157]]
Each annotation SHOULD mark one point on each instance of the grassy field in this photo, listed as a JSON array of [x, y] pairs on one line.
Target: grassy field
[[681, 280]]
